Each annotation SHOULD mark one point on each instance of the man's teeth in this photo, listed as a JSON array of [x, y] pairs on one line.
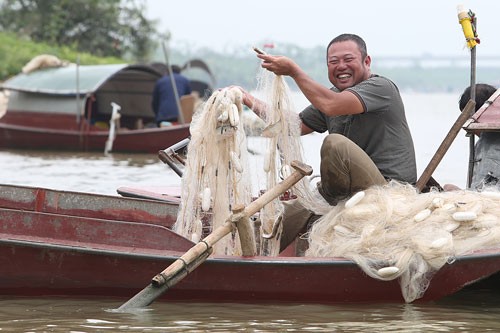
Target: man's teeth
[[344, 76]]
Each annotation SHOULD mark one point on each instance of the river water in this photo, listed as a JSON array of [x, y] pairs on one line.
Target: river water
[[468, 311], [430, 117]]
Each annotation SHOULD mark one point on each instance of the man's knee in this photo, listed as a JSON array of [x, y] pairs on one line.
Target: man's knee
[[333, 141], [335, 145]]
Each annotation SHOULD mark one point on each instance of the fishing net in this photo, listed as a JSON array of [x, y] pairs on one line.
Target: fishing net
[[215, 177], [282, 128], [394, 232], [218, 176]]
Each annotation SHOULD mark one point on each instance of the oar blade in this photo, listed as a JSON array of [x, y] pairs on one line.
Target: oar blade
[[143, 298]]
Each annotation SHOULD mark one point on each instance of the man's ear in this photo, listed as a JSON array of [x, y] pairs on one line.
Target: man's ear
[[368, 61]]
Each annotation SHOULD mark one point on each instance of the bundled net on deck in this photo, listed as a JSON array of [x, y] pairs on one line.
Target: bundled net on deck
[[395, 232]]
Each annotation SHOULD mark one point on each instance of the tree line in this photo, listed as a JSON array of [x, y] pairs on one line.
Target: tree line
[[111, 28], [117, 31]]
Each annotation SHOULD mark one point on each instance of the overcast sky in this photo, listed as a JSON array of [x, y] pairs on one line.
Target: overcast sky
[[389, 27]]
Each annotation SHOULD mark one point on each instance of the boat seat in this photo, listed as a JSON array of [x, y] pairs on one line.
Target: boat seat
[[187, 107]]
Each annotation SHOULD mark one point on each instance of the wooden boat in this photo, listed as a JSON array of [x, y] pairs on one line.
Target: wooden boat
[[87, 205], [72, 108], [77, 244]]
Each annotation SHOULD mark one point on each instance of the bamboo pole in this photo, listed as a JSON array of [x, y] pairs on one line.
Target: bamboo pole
[[467, 19], [245, 231], [443, 148], [174, 85]]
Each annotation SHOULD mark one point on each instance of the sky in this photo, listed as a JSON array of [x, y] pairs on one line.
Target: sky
[[389, 27]]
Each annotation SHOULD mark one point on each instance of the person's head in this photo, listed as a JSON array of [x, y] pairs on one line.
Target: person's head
[[176, 69], [483, 92], [347, 60]]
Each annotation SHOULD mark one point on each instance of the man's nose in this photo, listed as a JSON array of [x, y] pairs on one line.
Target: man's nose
[[341, 64]]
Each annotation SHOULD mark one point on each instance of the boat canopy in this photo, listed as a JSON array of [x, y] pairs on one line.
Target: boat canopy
[[68, 89], [73, 80], [487, 117]]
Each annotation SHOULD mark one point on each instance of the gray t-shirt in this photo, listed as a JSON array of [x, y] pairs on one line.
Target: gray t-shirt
[[381, 130]]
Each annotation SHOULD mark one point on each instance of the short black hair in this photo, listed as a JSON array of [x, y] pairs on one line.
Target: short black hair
[[176, 69], [350, 37], [483, 92]]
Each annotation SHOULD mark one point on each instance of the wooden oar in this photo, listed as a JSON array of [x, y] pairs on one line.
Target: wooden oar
[[198, 253], [467, 112]]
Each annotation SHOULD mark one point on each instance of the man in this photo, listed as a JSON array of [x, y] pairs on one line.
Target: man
[[164, 98], [369, 141], [486, 170]]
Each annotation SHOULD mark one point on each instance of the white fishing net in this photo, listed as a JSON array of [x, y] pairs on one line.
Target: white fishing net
[[217, 172], [282, 133], [394, 232], [216, 176]]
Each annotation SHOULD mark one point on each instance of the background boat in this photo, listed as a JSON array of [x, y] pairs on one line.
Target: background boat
[[72, 108]]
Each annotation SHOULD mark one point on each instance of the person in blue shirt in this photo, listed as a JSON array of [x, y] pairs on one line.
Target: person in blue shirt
[[164, 100]]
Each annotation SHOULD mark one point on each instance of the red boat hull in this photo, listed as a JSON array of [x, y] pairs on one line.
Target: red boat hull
[[44, 250], [88, 205], [149, 140], [31, 269]]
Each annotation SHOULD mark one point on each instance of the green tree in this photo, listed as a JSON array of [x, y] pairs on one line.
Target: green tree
[[103, 28]]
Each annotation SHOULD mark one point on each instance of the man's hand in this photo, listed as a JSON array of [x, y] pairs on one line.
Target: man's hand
[[247, 98], [279, 65]]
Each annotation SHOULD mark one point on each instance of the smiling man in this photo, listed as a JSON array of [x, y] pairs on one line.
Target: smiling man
[[369, 141]]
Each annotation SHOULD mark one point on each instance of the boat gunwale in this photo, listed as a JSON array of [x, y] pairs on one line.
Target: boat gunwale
[[262, 260], [95, 132]]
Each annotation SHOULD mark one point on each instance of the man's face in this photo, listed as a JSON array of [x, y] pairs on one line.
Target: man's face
[[346, 68]]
